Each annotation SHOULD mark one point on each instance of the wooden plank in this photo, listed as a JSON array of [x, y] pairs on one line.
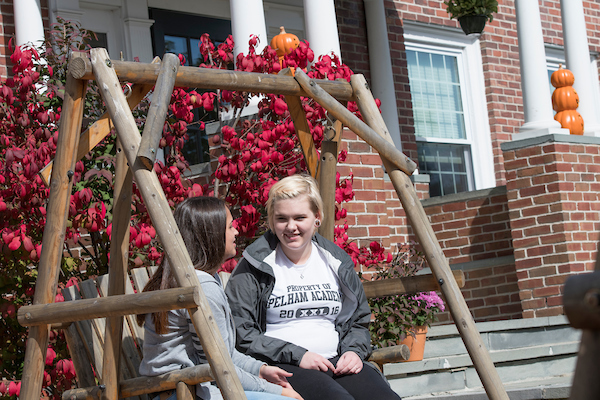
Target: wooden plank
[[213, 79], [78, 347], [409, 284], [53, 237], [184, 392], [431, 248], [112, 306], [148, 384], [117, 333], [157, 113], [302, 130], [136, 330], [89, 292], [395, 156], [166, 227]]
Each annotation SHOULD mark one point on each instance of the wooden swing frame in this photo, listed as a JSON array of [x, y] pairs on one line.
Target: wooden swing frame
[[137, 154]]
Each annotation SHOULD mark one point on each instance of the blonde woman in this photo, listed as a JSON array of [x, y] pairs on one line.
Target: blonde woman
[[299, 304]]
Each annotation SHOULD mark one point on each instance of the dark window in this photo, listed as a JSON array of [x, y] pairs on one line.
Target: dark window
[[180, 33]]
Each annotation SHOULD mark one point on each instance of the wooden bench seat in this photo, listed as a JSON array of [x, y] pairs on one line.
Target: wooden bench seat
[[86, 337]]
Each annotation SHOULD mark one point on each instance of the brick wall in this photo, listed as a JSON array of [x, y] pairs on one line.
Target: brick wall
[[552, 185], [499, 49]]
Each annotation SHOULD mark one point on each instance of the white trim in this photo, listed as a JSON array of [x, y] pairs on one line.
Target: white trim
[[470, 67]]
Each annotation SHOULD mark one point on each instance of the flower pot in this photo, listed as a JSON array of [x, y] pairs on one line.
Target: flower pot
[[416, 343], [472, 23]]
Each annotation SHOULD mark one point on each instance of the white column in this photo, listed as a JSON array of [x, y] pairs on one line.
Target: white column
[[577, 54], [247, 18], [537, 105], [29, 27], [380, 63], [321, 27], [138, 41]]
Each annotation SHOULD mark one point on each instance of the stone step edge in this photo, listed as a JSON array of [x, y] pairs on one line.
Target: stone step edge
[[552, 388], [463, 360]]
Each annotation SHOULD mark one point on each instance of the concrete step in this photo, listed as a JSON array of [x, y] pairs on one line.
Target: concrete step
[[525, 352]]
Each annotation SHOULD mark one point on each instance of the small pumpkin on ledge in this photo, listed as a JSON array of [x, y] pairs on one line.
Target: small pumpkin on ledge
[[565, 101]]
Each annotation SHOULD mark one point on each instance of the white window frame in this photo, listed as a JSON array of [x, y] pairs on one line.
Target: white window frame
[[448, 41]]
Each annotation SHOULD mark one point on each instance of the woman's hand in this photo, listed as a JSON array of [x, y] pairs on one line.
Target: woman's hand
[[289, 392], [312, 360], [349, 363], [275, 375]]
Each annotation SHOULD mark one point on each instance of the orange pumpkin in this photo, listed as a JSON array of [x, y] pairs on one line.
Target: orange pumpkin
[[562, 77], [565, 98], [571, 120], [284, 43]]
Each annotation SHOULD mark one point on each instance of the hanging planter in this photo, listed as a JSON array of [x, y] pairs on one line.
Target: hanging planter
[[472, 24], [472, 14]]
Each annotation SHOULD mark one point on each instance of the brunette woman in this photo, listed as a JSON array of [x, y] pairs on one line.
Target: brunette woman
[[170, 340]]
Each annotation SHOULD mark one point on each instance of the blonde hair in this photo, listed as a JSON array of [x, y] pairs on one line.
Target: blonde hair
[[291, 187]]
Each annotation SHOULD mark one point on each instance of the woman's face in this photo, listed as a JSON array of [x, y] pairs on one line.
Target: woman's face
[[230, 235], [294, 225]]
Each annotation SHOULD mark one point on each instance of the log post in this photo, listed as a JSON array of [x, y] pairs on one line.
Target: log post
[[395, 156], [155, 119], [54, 231], [327, 177], [431, 247], [165, 225], [117, 273]]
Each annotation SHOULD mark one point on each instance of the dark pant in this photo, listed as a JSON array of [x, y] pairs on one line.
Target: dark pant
[[368, 384]]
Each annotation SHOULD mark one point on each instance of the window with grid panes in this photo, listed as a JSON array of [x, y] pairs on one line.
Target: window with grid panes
[[444, 153]]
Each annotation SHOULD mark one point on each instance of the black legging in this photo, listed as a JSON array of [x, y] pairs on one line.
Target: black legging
[[368, 384]]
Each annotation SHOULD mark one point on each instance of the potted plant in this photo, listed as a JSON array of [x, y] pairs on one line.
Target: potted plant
[[472, 14], [403, 318]]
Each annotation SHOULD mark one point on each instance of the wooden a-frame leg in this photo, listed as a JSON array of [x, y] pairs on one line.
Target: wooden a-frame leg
[[298, 115], [117, 273], [433, 252], [327, 178], [166, 228], [54, 232]]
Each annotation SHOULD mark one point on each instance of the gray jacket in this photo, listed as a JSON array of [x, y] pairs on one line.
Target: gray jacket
[[180, 347], [252, 282]]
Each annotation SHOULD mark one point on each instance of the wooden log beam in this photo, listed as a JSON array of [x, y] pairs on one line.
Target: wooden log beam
[[409, 284], [111, 306], [364, 131], [54, 232], [302, 129], [155, 119], [147, 384], [213, 79], [117, 272], [165, 225], [390, 354], [431, 248]]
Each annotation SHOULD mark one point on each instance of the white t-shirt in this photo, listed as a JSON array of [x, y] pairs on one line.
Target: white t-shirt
[[304, 304]]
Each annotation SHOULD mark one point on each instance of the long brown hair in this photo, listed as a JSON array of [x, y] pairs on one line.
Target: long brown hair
[[202, 222]]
